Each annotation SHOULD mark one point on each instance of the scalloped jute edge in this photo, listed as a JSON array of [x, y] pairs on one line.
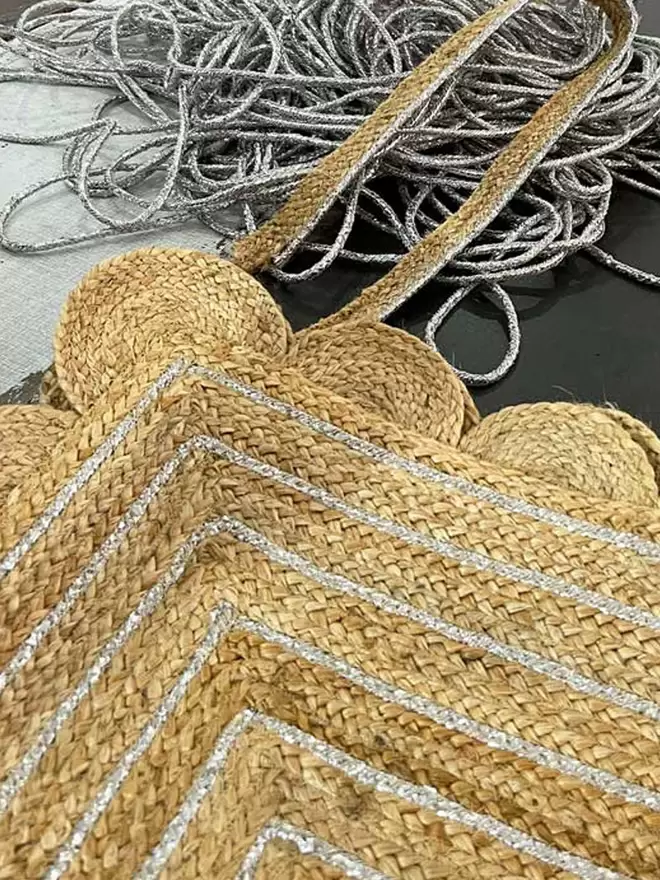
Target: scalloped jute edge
[[293, 608], [283, 606]]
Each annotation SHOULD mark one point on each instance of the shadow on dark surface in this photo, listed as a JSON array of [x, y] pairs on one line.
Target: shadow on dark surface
[[587, 334], [26, 391]]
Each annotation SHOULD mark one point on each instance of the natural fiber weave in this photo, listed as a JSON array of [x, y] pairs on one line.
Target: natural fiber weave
[[263, 618], [598, 451], [279, 605], [50, 392], [26, 433], [506, 174]]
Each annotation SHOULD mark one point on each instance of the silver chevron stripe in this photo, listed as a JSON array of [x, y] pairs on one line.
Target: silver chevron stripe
[[420, 795], [452, 720], [428, 708], [221, 621], [198, 791], [470, 558], [451, 482], [19, 774], [624, 540], [80, 585], [307, 844], [89, 468], [535, 662], [26, 765]]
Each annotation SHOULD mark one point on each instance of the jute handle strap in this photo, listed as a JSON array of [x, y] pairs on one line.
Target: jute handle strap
[[317, 191]]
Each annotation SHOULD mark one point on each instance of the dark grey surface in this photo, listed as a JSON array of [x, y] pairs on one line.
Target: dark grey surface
[[11, 9], [26, 391], [588, 335]]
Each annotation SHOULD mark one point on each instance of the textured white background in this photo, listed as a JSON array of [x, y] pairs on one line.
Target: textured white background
[[33, 287]]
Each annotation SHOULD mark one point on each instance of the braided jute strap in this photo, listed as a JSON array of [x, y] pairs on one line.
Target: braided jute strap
[[317, 191], [281, 605]]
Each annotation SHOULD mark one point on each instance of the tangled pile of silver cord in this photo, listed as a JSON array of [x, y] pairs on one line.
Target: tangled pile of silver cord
[[238, 99]]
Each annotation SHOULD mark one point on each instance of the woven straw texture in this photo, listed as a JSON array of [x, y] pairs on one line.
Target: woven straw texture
[[279, 606], [297, 612]]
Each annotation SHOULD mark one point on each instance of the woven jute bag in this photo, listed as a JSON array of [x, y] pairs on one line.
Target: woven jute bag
[[282, 606]]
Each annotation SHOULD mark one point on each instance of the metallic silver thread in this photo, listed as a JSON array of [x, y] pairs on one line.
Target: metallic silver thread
[[19, 774], [623, 540], [81, 584], [307, 844], [470, 558], [444, 716], [453, 720], [89, 468], [252, 94], [363, 447], [47, 735], [220, 623], [23, 769], [606, 781], [479, 640], [198, 791], [483, 563], [421, 796]]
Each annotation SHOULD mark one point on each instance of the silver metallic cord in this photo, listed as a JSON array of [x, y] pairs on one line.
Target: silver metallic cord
[[219, 109], [498, 296]]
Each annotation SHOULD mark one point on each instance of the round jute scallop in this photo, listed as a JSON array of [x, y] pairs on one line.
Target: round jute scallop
[[160, 301], [238, 608], [388, 372], [643, 436], [27, 433], [576, 446]]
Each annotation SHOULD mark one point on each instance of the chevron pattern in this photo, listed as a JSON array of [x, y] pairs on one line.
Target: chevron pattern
[[280, 637]]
